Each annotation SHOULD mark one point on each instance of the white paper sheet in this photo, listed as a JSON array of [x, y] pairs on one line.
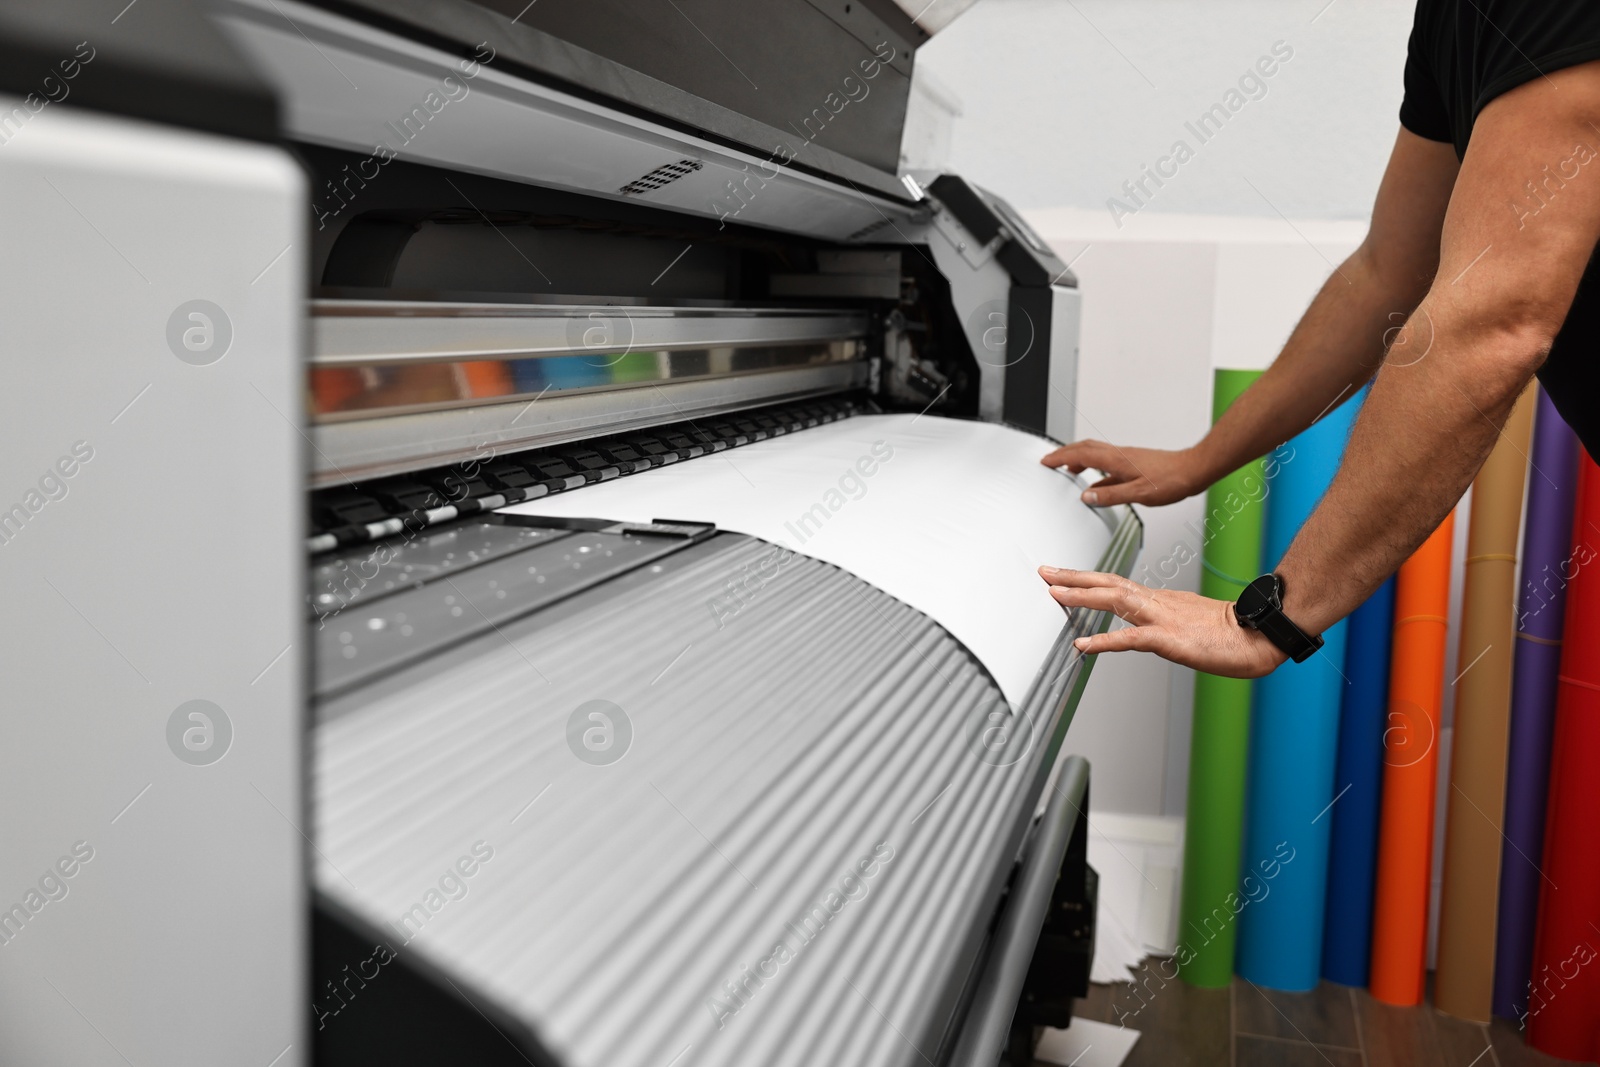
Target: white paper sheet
[[952, 517], [1117, 953], [1086, 1044]]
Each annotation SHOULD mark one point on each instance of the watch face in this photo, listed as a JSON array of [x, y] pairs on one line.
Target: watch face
[[1258, 598]]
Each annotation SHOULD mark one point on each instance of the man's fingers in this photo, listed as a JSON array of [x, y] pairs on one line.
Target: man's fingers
[[1127, 639], [1123, 603], [1080, 579], [1105, 493], [1078, 455], [1105, 592], [1095, 598]]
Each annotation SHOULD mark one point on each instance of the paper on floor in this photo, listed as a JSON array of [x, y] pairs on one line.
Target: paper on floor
[[1138, 866], [953, 517], [1086, 1043], [1117, 953]]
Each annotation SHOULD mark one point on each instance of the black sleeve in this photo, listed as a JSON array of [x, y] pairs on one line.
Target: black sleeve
[[1422, 110], [1527, 39]]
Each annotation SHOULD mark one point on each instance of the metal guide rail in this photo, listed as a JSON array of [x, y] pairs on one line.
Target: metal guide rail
[[402, 385], [364, 332], [408, 504], [376, 608], [378, 358]]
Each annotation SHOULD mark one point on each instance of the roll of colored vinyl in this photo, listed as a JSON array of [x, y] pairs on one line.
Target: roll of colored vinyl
[[1294, 734], [1470, 899], [1410, 767], [1546, 569], [1563, 1014], [1358, 789], [1220, 739]]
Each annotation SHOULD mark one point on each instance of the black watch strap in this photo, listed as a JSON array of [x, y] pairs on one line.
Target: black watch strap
[[1289, 638], [1260, 607]]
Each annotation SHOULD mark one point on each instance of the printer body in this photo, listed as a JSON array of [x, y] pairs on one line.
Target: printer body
[[299, 298]]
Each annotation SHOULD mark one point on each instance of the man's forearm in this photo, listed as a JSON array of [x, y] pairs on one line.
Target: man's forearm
[[1337, 345], [1433, 416]]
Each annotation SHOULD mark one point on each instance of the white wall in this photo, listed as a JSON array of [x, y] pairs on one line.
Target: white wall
[[1163, 306], [1061, 101], [1064, 100]]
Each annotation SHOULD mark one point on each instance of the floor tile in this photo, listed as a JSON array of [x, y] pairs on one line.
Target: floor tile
[[1271, 1052], [1179, 1026], [1185, 1027], [1396, 1037], [1461, 1044], [1324, 1016]]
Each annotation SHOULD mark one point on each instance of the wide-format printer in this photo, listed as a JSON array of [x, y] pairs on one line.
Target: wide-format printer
[[508, 521]]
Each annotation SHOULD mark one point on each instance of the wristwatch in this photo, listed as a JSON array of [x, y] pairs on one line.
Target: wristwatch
[[1260, 607]]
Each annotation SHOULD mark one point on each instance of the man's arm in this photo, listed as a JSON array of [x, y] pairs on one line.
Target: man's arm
[[1337, 345], [1505, 283]]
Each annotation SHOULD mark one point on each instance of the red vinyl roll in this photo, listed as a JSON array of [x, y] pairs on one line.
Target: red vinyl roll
[[1564, 992]]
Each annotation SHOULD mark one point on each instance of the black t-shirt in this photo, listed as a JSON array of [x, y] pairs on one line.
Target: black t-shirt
[[1463, 54]]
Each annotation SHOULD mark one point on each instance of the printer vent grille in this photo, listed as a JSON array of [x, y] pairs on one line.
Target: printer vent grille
[[868, 230], [663, 175]]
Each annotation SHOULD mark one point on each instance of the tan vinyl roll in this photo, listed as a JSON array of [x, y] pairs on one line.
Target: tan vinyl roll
[[1464, 984]]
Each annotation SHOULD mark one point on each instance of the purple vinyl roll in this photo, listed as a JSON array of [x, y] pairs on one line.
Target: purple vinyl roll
[[1546, 570]]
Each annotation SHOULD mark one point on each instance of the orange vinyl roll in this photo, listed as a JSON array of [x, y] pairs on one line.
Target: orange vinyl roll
[[1411, 761], [1470, 897]]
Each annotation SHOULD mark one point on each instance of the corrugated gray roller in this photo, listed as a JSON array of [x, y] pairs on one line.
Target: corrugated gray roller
[[794, 860]]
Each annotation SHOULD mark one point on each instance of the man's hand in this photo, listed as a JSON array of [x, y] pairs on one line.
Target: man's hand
[[1332, 352], [1133, 475], [1185, 628]]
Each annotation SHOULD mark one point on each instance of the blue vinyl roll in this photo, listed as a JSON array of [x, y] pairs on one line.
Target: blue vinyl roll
[[1358, 783], [1294, 735]]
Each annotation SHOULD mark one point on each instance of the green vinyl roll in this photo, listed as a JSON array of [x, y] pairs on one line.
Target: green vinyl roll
[[1219, 747]]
